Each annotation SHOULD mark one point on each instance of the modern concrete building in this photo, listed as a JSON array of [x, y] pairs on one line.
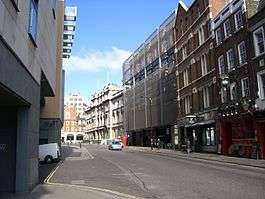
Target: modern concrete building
[[69, 30], [52, 110], [28, 41], [150, 88], [78, 101], [105, 114]]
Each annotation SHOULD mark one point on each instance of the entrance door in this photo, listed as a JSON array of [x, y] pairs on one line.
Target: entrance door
[[8, 127]]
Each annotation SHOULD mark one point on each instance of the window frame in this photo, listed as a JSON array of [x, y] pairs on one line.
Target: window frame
[[33, 34], [217, 40], [240, 61], [201, 35], [238, 26], [206, 97], [226, 34], [228, 58], [204, 64], [223, 65], [261, 92], [257, 53], [232, 86], [243, 87], [54, 6]]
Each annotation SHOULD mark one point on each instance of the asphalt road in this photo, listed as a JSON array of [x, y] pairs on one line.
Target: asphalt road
[[155, 176]]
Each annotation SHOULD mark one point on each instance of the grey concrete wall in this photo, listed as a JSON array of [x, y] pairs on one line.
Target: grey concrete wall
[[14, 30], [51, 129], [26, 90]]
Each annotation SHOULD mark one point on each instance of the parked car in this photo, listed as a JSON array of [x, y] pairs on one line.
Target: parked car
[[49, 153], [115, 145]]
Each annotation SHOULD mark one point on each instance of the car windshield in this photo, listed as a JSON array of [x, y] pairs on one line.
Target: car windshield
[[117, 143]]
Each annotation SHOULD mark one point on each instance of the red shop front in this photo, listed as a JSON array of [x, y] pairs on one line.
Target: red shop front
[[242, 136]]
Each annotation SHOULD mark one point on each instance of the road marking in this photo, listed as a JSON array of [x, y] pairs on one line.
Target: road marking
[[85, 188], [78, 182], [47, 179]]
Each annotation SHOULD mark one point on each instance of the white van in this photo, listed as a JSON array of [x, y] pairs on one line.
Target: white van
[[49, 153]]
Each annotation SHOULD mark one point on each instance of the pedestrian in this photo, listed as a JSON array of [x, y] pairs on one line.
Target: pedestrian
[[188, 146], [80, 145], [152, 143], [158, 143]]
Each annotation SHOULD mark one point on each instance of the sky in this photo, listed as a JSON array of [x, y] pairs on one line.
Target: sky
[[107, 32]]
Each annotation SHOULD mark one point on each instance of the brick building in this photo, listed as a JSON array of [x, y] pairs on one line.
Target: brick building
[[234, 74], [257, 38], [72, 131], [196, 82]]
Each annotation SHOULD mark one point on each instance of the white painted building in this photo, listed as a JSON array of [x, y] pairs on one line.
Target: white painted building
[[104, 117]]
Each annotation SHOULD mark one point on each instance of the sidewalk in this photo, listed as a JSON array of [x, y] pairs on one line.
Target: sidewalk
[[54, 191], [202, 156]]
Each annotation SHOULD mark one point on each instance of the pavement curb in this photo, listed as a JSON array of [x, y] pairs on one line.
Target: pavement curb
[[200, 159]]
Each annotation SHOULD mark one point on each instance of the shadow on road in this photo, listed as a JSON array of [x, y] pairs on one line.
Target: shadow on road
[[46, 169]]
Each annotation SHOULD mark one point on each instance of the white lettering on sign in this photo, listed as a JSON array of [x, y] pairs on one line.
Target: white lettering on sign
[[3, 147]]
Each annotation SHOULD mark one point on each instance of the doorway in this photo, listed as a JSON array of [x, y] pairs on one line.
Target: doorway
[[8, 131]]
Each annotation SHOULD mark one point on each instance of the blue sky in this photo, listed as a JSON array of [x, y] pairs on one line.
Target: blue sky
[[107, 32]]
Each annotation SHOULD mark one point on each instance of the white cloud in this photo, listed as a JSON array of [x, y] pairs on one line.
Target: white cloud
[[95, 60]]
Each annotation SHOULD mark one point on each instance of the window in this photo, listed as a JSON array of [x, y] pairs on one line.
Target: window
[[187, 104], [238, 19], [227, 28], [218, 36], [206, 101], [221, 64], [33, 20], [209, 137], [184, 52], [186, 77], [242, 53], [259, 41], [233, 95], [54, 4], [204, 65], [15, 4], [201, 35], [261, 84], [245, 87], [223, 95], [230, 59]]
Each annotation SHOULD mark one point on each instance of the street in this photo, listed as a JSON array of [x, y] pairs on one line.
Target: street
[[155, 176]]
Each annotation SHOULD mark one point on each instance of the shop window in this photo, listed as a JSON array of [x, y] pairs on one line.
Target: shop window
[[209, 137]]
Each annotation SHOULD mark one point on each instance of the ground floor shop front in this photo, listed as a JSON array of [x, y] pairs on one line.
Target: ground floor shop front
[[243, 135]]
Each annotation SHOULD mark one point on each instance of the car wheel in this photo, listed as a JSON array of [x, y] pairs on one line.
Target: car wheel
[[48, 159]]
